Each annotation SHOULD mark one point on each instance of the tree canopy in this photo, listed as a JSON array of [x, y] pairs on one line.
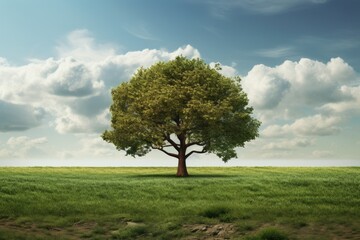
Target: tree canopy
[[181, 107]]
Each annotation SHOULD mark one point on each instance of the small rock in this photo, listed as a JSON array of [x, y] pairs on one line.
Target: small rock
[[204, 228]]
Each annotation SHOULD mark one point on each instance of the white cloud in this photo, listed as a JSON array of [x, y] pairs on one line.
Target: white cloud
[[75, 88], [316, 125], [353, 104], [288, 144], [19, 117], [301, 100], [81, 45], [228, 71], [73, 78], [72, 122], [25, 141], [23, 147], [264, 87], [296, 87]]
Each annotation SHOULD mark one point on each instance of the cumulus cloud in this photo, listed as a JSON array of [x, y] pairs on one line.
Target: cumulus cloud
[[352, 104], [73, 88], [228, 71], [265, 88], [317, 125], [290, 88], [19, 117], [288, 144], [73, 78], [303, 99], [81, 45], [23, 147], [72, 122]]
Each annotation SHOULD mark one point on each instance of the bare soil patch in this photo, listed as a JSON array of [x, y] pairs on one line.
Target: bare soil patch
[[211, 232]]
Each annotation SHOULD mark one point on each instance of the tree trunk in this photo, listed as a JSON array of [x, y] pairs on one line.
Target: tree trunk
[[182, 170]]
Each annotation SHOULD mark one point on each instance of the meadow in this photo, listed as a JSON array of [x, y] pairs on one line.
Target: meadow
[[151, 203]]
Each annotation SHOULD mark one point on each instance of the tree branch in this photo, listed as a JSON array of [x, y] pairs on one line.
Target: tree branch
[[174, 144], [195, 143], [188, 155], [166, 152]]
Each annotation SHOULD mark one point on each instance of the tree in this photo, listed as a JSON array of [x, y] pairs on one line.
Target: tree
[[181, 107]]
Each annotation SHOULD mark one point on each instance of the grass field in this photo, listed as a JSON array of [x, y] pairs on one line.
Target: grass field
[[150, 203]]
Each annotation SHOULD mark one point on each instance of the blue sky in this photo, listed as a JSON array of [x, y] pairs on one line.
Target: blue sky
[[299, 61]]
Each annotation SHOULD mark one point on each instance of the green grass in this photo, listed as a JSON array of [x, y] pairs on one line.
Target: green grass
[[151, 203]]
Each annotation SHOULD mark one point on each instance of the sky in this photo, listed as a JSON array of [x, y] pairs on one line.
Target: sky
[[299, 61]]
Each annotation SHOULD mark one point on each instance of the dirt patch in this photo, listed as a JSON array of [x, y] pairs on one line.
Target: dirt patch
[[333, 231], [221, 231], [83, 226], [210, 232], [78, 230]]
